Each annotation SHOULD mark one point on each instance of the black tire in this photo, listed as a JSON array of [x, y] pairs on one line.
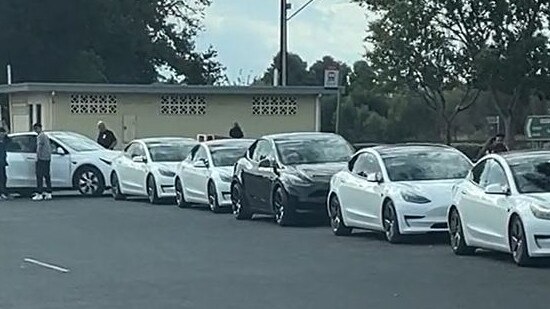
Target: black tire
[[89, 181], [456, 232], [518, 242], [180, 196], [391, 223], [115, 188], [152, 192], [239, 202], [213, 202], [283, 208], [336, 219]]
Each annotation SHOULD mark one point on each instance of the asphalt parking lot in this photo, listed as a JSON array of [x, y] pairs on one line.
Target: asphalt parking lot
[[134, 255]]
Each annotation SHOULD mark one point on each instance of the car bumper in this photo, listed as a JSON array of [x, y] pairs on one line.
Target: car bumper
[[166, 187], [422, 218], [309, 199], [224, 194], [538, 237]]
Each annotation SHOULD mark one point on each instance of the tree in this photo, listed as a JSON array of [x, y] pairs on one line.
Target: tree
[[412, 52], [118, 41]]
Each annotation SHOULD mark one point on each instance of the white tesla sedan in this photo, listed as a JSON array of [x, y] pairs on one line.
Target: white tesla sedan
[[398, 189], [504, 205], [147, 167], [205, 176], [77, 163]]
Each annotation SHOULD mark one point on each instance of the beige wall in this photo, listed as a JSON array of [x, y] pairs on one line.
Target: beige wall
[[222, 111]]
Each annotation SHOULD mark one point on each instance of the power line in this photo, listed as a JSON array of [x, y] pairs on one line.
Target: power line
[[300, 9]]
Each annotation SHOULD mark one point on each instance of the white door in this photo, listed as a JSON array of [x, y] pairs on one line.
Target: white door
[[60, 168], [129, 127], [22, 161], [196, 177], [366, 198], [137, 171], [492, 209]]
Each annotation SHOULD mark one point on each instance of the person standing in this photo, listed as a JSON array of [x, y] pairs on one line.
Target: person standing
[[43, 160], [236, 131], [495, 144], [106, 137], [4, 141]]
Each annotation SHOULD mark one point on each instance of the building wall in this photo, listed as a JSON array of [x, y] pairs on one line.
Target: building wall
[[72, 112]]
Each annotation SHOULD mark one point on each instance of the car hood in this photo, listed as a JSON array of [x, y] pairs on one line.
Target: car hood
[[106, 155], [318, 172], [170, 166], [435, 190], [542, 199], [224, 170]]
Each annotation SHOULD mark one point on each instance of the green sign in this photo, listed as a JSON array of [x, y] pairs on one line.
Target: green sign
[[538, 127]]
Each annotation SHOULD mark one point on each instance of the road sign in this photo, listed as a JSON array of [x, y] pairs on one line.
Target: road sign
[[538, 127], [332, 78]]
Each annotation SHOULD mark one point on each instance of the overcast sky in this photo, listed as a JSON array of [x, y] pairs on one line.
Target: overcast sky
[[246, 32]]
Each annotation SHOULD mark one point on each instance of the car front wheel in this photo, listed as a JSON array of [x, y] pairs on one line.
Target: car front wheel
[[518, 242], [336, 219], [391, 224], [180, 197], [213, 198], [239, 203], [115, 188], [89, 181], [458, 242], [284, 213], [152, 192]]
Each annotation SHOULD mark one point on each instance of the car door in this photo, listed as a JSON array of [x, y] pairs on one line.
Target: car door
[[491, 210], [21, 157], [260, 179], [365, 196], [138, 170], [123, 166], [60, 166], [470, 194], [197, 176]]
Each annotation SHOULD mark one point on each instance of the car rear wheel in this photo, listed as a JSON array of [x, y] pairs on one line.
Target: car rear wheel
[[284, 213], [336, 219], [89, 181], [152, 192], [180, 197], [391, 224], [115, 188], [518, 242], [239, 203], [213, 198], [456, 232]]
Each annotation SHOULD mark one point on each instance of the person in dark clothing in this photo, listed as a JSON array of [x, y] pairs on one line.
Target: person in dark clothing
[[4, 142], [493, 145], [236, 131], [106, 137]]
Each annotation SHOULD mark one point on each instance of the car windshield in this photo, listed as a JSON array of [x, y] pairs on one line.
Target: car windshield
[[532, 174], [432, 164], [313, 150], [227, 155], [169, 151], [77, 142]]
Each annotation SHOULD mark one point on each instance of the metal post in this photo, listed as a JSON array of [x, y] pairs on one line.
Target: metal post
[[337, 127], [284, 46]]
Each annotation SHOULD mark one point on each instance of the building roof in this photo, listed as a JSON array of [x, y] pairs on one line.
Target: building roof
[[162, 89]]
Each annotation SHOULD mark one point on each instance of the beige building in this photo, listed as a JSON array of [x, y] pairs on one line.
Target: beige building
[[136, 111]]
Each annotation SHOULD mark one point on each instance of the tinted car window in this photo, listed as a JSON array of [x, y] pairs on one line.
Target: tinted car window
[[263, 150], [77, 142], [426, 164], [495, 174], [22, 144], [366, 164], [324, 149], [477, 171], [200, 155], [226, 156], [531, 174], [168, 151]]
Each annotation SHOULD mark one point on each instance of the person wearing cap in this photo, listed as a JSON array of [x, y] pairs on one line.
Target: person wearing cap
[[4, 141], [106, 137], [43, 160]]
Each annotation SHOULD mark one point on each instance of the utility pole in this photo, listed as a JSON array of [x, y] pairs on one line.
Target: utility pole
[[284, 42]]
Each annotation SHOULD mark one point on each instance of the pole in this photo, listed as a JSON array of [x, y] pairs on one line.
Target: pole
[[8, 71], [337, 127], [284, 42]]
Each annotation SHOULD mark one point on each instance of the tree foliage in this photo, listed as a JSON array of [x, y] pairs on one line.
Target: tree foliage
[[116, 41]]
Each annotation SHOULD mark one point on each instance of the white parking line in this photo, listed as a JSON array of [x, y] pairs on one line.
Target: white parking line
[[50, 266]]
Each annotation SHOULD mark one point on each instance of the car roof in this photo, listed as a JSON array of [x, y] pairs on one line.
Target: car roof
[[407, 147], [299, 135], [519, 155], [229, 142], [157, 140]]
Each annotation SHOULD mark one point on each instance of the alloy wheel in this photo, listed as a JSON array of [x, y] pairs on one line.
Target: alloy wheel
[[455, 229], [389, 222], [279, 206], [88, 183]]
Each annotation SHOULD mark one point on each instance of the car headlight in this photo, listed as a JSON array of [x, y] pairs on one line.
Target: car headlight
[[540, 211], [225, 177], [412, 197], [166, 173]]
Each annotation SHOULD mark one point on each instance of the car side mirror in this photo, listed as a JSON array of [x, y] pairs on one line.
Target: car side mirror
[[266, 163], [139, 159], [375, 177], [200, 164], [496, 189], [59, 151]]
